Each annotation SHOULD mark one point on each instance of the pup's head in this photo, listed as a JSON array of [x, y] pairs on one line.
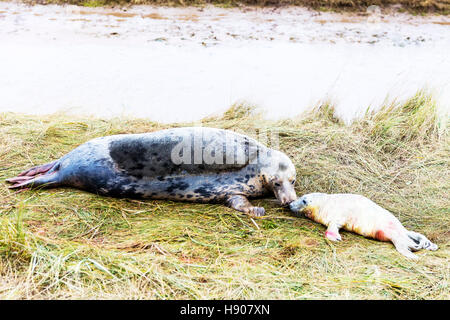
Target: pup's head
[[305, 202], [280, 178]]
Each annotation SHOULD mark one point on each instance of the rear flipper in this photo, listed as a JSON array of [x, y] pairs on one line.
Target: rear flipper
[[403, 245], [412, 241], [44, 175], [422, 241]]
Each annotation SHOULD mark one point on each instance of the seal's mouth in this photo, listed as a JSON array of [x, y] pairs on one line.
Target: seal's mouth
[[286, 203], [279, 203]]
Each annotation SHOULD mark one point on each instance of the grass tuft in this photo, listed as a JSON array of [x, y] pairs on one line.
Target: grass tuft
[[414, 121]]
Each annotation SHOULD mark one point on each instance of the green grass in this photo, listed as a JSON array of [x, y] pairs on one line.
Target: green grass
[[64, 243], [93, 3]]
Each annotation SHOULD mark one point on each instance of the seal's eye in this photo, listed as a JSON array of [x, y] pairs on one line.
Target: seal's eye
[[277, 184], [293, 182]]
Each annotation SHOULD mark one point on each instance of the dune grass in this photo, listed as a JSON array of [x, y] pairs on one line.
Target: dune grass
[[64, 243]]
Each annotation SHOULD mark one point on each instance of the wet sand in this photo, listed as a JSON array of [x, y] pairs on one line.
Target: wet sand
[[181, 64]]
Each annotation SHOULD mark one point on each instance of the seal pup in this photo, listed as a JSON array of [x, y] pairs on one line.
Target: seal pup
[[361, 215], [196, 164]]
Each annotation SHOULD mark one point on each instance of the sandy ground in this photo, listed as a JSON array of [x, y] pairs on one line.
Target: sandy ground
[[181, 64]]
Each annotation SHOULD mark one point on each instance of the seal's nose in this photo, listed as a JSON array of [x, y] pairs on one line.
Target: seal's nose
[[292, 206], [289, 201], [286, 200], [297, 204]]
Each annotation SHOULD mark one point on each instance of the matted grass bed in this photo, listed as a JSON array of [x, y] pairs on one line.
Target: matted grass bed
[[64, 243]]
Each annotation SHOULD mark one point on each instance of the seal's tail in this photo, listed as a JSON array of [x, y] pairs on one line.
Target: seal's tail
[[43, 175]]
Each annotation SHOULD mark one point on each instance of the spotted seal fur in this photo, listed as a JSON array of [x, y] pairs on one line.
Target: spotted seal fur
[[228, 168], [359, 214]]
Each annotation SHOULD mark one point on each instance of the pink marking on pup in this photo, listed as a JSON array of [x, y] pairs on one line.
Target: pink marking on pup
[[330, 234]]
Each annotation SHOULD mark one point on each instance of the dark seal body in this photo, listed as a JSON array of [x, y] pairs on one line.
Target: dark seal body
[[190, 164]]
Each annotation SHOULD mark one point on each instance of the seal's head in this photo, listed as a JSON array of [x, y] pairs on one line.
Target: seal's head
[[279, 177], [306, 203]]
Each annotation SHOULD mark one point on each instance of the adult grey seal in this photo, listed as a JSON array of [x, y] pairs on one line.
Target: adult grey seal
[[361, 215], [187, 164]]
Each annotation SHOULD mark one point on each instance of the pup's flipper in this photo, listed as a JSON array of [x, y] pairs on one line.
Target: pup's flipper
[[422, 241], [332, 232]]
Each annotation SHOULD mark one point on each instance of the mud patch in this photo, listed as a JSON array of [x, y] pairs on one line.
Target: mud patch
[[188, 17], [155, 16]]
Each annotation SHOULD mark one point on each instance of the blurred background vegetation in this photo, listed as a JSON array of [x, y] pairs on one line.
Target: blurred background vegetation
[[415, 6]]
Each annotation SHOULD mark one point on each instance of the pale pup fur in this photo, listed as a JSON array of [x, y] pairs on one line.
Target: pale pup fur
[[359, 214]]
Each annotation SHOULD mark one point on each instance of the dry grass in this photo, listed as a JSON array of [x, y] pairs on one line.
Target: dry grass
[[63, 243]]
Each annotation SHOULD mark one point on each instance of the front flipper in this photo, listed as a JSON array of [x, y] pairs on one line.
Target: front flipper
[[241, 203], [332, 232]]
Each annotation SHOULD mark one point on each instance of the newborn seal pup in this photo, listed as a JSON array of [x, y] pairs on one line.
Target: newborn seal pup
[[196, 164], [358, 214]]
